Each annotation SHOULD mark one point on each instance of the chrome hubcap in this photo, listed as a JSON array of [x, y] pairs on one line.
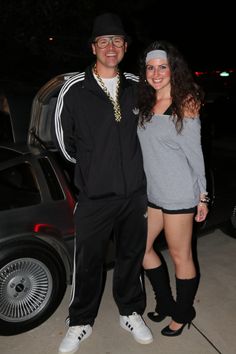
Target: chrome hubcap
[[25, 288]]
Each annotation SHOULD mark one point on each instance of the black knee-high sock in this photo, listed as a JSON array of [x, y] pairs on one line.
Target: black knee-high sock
[[185, 293], [159, 280]]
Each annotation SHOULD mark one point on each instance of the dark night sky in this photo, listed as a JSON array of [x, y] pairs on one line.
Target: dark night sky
[[203, 30], [205, 36]]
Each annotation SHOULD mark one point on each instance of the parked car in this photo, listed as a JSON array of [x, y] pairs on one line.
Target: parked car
[[219, 146], [36, 218]]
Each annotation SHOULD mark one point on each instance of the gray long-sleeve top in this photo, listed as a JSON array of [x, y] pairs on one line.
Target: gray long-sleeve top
[[173, 162]]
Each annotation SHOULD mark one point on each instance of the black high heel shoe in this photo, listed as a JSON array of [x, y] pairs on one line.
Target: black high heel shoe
[[156, 317], [167, 331]]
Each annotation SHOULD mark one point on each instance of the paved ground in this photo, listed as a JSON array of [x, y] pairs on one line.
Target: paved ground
[[213, 330]]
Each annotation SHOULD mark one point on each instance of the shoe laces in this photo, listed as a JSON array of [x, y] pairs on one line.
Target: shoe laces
[[136, 319], [78, 331]]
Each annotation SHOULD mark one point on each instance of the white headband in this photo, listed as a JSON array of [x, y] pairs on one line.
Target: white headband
[[156, 54]]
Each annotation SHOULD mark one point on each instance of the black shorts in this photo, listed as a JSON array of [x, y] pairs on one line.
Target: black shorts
[[178, 211]]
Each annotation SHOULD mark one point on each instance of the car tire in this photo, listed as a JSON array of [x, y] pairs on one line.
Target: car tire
[[229, 227], [32, 285]]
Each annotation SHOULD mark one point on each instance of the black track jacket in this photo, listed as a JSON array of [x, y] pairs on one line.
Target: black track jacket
[[107, 153]]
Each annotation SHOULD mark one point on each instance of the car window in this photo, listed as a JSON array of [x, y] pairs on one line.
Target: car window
[[54, 187], [46, 120], [8, 154], [18, 187]]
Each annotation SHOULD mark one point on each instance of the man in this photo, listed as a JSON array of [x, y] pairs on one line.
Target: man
[[96, 128]]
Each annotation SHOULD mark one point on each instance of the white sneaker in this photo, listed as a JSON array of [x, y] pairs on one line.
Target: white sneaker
[[136, 325], [74, 336]]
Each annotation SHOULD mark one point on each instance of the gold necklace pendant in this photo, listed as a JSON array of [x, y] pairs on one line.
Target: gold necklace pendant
[[115, 102]]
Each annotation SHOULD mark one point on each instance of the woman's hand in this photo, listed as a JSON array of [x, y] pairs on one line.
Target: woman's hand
[[202, 211]]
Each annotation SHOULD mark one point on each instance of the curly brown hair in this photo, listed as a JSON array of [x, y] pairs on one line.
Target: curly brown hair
[[185, 92]]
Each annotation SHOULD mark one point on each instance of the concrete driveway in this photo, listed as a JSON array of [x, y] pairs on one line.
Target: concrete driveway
[[212, 331]]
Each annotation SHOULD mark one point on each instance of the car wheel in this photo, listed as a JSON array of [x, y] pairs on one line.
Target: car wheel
[[229, 227], [32, 285]]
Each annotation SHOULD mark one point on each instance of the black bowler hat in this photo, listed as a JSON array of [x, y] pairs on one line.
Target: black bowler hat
[[106, 24]]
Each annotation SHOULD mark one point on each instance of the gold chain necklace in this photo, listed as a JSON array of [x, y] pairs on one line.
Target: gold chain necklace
[[115, 102]]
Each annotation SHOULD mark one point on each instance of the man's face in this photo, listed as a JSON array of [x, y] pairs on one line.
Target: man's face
[[109, 50]]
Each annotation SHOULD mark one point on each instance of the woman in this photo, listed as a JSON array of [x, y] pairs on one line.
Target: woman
[[169, 133]]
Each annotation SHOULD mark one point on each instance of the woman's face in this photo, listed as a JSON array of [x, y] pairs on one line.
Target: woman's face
[[158, 73]]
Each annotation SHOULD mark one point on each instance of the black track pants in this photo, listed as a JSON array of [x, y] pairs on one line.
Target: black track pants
[[95, 221]]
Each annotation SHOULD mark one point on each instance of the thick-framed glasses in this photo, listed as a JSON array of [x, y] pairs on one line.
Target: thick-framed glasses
[[103, 42]]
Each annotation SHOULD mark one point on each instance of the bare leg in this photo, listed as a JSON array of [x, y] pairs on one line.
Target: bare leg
[[178, 232], [155, 226]]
